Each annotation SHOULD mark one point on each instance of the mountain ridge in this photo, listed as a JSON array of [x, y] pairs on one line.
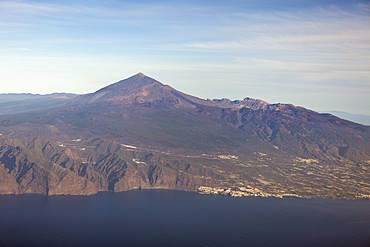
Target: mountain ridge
[[140, 88], [140, 133]]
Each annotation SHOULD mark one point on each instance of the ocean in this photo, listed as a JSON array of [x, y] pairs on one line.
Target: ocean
[[178, 218]]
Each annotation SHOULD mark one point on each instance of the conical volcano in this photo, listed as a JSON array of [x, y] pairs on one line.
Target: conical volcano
[[138, 89]]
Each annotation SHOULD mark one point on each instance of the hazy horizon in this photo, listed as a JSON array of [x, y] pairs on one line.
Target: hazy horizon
[[314, 54]]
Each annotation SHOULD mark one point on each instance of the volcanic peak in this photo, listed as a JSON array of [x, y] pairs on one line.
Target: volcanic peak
[[119, 91], [139, 89]]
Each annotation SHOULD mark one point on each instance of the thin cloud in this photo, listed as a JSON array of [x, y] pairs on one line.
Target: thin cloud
[[260, 48], [321, 29], [124, 11]]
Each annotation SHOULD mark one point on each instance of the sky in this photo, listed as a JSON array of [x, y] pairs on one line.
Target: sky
[[314, 54]]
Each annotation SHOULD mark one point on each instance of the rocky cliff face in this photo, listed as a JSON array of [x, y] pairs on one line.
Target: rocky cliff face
[[34, 165], [25, 172]]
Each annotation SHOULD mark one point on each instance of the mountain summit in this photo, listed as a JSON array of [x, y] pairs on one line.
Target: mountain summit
[[137, 86], [140, 133], [139, 89]]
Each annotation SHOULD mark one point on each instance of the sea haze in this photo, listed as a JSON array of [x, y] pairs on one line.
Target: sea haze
[[177, 218]]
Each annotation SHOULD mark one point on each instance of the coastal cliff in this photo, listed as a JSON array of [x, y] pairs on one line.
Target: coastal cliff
[[34, 165]]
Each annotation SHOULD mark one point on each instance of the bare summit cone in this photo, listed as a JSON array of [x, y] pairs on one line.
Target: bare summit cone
[[140, 89], [137, 89], [134, 88]]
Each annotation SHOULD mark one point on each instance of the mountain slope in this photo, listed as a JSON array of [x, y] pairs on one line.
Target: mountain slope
[[139, 133], [304, 132]]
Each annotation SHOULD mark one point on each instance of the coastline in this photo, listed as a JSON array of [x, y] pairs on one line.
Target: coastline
[[204, 190]]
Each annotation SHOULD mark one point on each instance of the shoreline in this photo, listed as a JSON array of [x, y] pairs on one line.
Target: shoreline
[[203, 190]]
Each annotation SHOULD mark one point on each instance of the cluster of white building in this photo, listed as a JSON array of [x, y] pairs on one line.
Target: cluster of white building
[[235, 192], [240, 192], [363, 196]]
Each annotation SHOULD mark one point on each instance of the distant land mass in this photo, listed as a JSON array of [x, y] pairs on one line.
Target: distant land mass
[[358, 118], [141, 134], [9, 97], [18, 103]]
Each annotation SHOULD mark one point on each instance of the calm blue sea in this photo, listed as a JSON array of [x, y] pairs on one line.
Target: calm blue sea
[[176, 218]]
